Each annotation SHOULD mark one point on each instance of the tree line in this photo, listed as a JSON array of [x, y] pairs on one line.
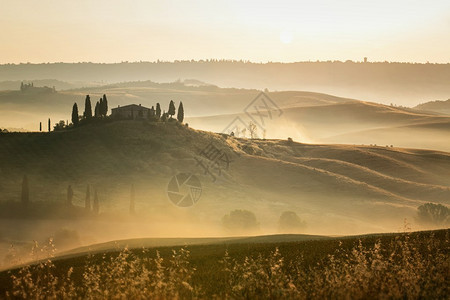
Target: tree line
[[91, 200], [101, 112]]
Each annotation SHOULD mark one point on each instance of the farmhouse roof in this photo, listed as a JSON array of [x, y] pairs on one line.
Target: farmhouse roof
[[130, 106]]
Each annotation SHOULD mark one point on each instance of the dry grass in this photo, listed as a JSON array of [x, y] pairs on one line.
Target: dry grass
[[406, 267]]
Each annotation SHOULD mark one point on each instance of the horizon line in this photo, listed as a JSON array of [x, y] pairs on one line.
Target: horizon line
[[214, 60]]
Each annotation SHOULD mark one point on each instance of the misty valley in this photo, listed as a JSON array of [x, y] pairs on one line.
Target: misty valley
[[224, 150]]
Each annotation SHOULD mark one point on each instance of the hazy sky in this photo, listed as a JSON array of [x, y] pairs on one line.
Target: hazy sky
[[116, 30]]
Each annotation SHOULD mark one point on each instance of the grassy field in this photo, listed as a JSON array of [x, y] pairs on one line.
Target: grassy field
[[395, 266]]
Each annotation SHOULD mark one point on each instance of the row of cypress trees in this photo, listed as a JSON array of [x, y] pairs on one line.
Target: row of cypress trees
[[171, 111], [100, 110], [94, 207]]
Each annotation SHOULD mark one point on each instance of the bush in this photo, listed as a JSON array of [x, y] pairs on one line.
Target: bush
[[290, 222], [240, 221]]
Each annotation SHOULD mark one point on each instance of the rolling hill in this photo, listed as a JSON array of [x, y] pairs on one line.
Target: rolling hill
[[335, 188], [305, 116], [347, 122], [439, 106]]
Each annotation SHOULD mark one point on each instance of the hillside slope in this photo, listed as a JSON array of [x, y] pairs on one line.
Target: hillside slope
[[352, 187]]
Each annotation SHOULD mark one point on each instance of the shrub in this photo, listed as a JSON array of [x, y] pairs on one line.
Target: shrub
[[240, 221]]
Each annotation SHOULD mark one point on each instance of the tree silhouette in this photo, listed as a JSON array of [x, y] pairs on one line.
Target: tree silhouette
[[40, 126], [96, 206], [69, 195], [87, 201], [49, 125], [253, 130], [87, 108], [75, 114], [180, 115], [97, 109], [158, 111], [25, 191], [104, 106], [132, 211], [171, 111]]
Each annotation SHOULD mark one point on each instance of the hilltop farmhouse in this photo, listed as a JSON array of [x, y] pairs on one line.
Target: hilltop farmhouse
[[133, 111]]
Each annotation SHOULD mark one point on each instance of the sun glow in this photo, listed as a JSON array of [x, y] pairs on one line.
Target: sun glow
[[286, 37]]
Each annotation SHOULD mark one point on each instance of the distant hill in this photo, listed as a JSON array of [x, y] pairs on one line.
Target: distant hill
[[14, 85], [306, 116], [316, 118], [439, 106], [355, 188], [400, 83]]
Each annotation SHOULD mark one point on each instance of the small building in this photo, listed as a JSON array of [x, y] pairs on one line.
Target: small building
[[132, 111]]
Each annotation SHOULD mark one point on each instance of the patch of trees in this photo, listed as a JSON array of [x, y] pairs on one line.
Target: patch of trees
[[100, 112], [240, 221], [290, 222], [88, 116], [29, 87], [26, 208], [431, 214]]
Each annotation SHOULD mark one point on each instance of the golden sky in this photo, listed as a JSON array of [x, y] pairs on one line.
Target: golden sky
[[117, 30]]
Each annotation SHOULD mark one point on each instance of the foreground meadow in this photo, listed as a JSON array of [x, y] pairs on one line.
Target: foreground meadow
[[392, 266]]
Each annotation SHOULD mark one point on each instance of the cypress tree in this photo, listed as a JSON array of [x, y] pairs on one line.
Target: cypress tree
[[171, 111], [100, 107], [132, 211], [25, 191], [75, 114], [87, 201], [40, 126], [158, 111], [104, 106], [97, 110], [96, 207], [69, 195], [87, 108], [180, 115], [49, 125]]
